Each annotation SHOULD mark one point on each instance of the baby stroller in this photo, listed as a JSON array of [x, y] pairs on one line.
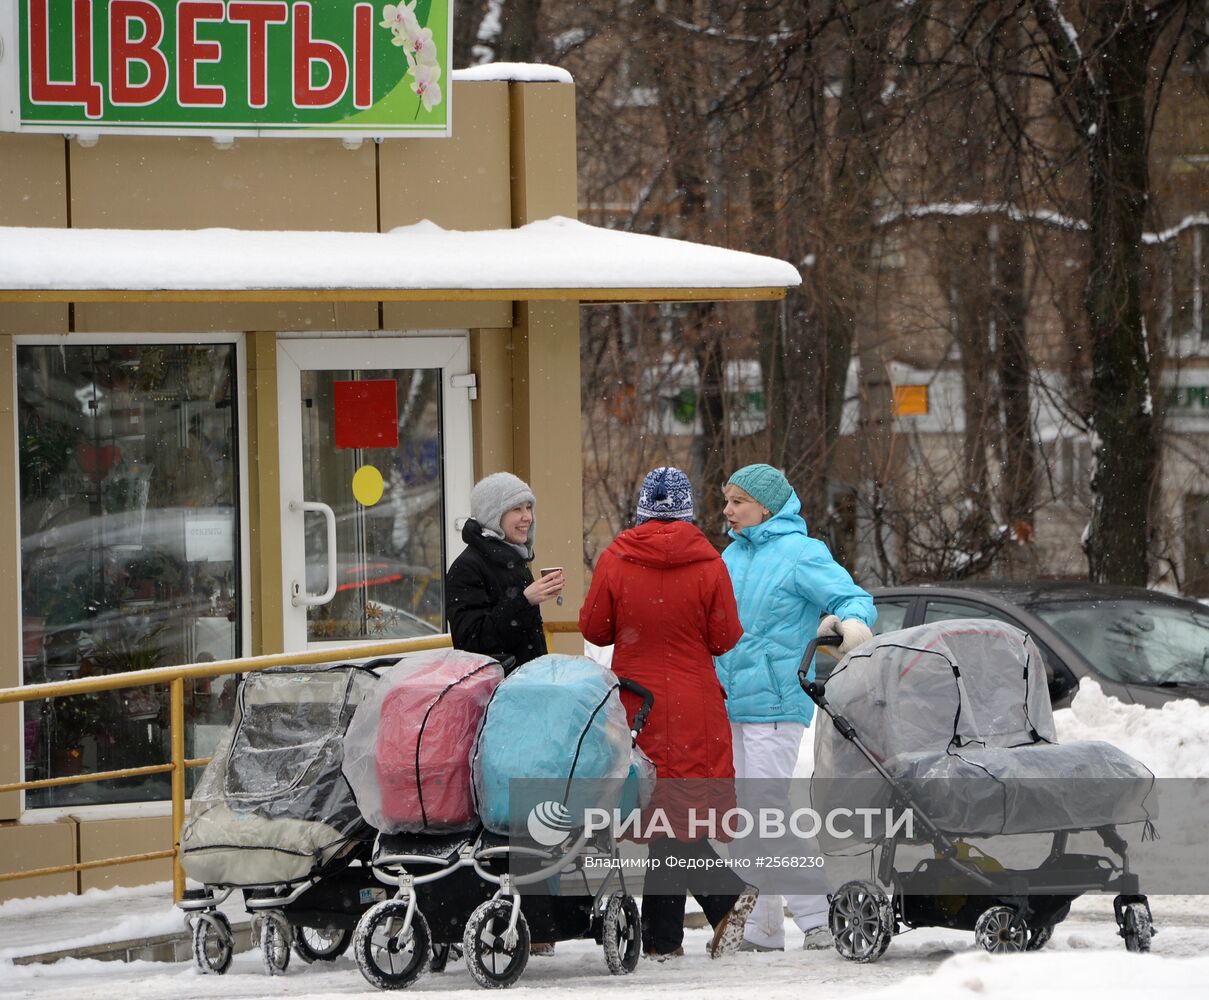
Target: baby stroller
[[952, 721], [463, 889], [407, 761], [273, 816], [555, 742]]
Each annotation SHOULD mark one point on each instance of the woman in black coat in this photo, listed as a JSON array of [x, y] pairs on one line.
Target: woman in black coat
[[491, 599]]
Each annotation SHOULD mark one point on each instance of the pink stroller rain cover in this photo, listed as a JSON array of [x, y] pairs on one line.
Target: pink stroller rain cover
[[407, 752]]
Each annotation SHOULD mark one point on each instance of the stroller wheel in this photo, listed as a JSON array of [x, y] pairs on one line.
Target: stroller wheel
[[495, 958], [622, 934], [321, 944], [212, 943], [275, 938], [1039, 937], [861, 921], [1001, 930], [1136, 927], [389, 957]]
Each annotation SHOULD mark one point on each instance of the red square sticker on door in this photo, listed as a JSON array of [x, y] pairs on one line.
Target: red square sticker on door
[[367, 413]]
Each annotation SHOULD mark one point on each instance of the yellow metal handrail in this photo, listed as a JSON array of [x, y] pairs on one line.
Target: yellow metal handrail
[[218, 668], [559, 628], [175, 678], [83, 779]]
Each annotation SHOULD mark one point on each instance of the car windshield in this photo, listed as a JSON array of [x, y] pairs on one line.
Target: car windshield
[[1136, 641]]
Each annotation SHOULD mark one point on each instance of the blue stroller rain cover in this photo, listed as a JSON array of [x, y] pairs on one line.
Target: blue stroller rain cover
[[559, 722]]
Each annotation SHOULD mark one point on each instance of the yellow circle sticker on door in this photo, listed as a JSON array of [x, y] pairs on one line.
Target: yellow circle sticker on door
[[367, 485]]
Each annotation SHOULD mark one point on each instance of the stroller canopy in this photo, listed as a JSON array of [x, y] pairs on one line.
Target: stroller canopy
[[958, 713], [272, 805], [558, 725], [407, 751]]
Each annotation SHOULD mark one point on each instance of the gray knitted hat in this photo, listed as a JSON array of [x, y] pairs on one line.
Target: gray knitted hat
[[666, 495], [497, 494]]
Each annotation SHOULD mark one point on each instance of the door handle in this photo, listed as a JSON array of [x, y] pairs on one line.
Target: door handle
[[298, 595]]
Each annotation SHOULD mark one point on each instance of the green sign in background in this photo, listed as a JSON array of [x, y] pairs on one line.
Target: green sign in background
[[395, 109]]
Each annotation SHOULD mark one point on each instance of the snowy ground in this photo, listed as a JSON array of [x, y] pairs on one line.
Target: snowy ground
[[1085, 957], [35, 926]]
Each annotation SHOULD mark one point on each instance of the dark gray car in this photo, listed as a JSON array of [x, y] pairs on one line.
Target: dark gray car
[[1139, 645]]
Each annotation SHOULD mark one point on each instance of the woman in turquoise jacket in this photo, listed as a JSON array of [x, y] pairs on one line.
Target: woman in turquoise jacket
[[785, 582]]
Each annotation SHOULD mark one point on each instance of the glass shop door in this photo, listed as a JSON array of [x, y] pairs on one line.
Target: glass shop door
[[376, 465]]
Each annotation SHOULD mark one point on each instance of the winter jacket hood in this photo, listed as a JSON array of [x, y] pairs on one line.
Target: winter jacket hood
[[784, 581], [663, 544], [787, 521]]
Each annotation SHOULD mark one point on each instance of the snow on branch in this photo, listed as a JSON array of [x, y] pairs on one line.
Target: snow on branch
[[972, 209], [723, 33], [1169, 234], [1068, 29], [1063, 38], [968, 209]]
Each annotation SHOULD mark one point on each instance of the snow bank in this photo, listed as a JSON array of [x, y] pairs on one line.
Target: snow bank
[[89, 898], [1173, 741], [136, 927], [1055, 974], [34, 925]]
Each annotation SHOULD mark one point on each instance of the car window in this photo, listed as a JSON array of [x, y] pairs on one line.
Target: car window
[[941, 611], [1062, 683], [891, 616], [1136, 641]]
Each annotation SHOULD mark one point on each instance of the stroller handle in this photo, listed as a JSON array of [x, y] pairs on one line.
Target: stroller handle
[[648, 702], [816, 690]]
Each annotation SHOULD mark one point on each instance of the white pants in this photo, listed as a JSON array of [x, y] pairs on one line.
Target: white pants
[[769, 750]]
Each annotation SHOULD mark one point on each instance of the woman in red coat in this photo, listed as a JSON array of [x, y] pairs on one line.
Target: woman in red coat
[[662, 597]]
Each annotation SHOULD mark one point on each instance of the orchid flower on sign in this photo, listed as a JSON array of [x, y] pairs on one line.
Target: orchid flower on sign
[[418, 48], [426, 86], [421, 48], [401, 19]]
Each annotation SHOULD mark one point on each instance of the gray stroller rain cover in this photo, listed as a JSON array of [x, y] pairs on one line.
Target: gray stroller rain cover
[[958, 713], [272, 806]]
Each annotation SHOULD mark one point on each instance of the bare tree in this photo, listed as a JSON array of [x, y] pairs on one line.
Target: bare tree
[[1107, 81], [798, 128]]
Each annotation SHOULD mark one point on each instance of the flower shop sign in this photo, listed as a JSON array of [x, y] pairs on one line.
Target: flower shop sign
[[226, 67]]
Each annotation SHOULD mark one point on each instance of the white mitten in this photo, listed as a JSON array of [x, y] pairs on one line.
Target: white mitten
[[830, 625], [854, 631]]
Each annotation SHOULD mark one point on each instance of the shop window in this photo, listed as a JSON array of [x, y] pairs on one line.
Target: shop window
[[129, 552]]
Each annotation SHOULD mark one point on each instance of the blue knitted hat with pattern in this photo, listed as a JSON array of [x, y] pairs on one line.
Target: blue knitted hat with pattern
[[763, 484], [666, 495]]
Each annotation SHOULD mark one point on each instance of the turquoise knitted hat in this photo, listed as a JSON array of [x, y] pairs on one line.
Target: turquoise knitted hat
[[764, 484]]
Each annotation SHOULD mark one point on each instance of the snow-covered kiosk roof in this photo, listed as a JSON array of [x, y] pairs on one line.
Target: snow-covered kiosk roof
[[553, 259]]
